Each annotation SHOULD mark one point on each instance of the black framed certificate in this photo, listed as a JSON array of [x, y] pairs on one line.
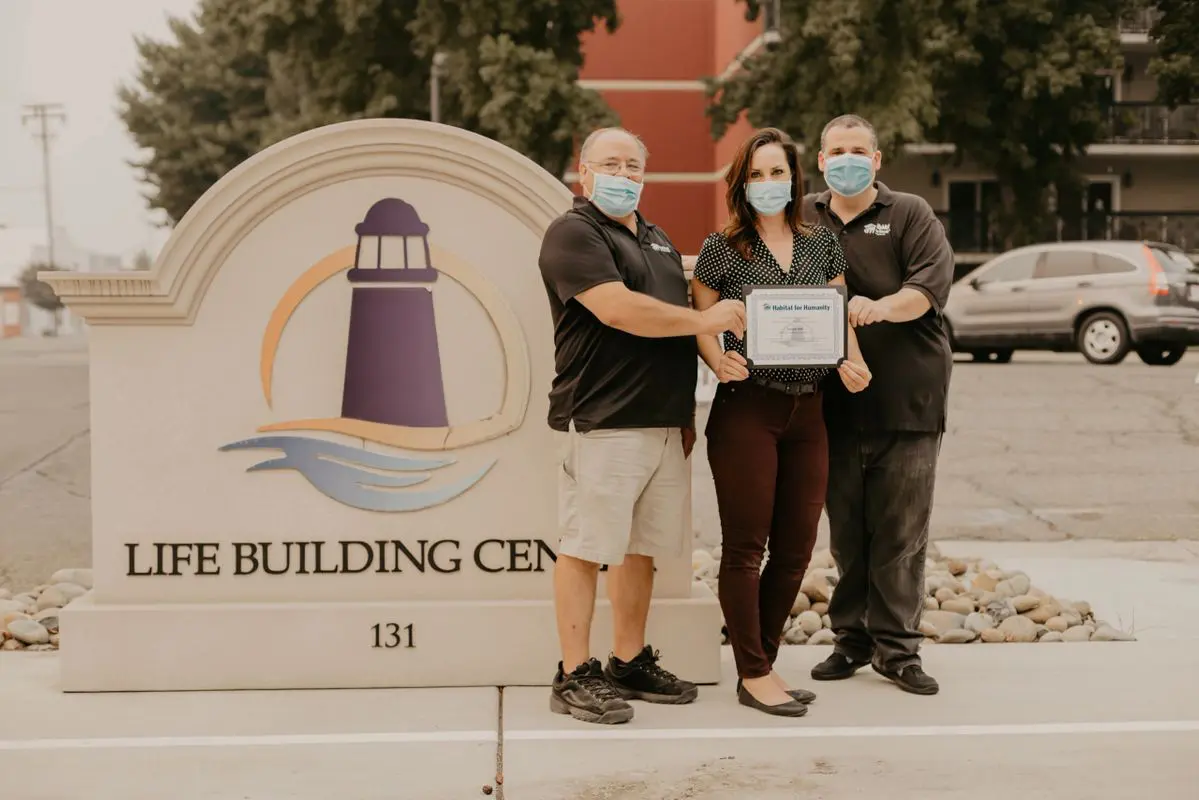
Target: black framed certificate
[[796, 326]]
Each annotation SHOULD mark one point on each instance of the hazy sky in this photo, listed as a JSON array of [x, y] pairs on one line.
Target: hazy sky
[[75, 52]]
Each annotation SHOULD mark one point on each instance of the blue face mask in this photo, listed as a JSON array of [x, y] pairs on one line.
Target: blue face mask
[[615, 195], [768, 197], [850, 174]]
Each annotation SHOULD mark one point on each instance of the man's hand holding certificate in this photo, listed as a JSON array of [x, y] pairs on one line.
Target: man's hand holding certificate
[[796, 326]]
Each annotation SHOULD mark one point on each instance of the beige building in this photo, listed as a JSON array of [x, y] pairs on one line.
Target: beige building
[[1141, 183]]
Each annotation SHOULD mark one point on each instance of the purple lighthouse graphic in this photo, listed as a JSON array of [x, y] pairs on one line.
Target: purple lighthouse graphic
[[393, 363]]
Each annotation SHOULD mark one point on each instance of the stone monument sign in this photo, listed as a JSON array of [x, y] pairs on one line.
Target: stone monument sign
[[319, 448]]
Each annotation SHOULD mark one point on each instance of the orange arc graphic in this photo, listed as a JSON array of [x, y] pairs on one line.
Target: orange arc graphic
[[321, 271]]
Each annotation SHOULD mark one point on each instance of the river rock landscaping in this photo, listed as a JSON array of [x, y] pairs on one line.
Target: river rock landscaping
[[967, 600], [29, 620]]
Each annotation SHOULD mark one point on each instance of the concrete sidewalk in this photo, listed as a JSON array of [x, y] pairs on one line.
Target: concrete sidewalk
[[1062, 722]]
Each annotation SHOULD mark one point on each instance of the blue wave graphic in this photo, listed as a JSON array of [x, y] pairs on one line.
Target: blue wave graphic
[[346, 474]]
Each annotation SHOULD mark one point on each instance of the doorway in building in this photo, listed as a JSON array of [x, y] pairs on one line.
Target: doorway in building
[[973, 205]]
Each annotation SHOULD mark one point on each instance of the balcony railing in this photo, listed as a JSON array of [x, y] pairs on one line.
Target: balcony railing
[[1140, 21], [976, 232], [1148, 123]]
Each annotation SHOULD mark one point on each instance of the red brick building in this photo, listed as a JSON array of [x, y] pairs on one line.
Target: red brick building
[[651, 72]]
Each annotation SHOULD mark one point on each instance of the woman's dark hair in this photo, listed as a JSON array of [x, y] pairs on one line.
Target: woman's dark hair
[[741, 227]]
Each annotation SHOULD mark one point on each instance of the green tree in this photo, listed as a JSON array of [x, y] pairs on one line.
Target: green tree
[[243, 76], [1175, 65], [1021, 93], [39, 293], [197, 106], [1014, 85], [869, 57], [142, 260]]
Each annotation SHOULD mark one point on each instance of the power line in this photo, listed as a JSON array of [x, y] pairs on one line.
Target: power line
[[42, 115]]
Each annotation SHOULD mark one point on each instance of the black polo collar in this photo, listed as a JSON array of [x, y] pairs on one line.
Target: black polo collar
[[885, 196], [585, 206]]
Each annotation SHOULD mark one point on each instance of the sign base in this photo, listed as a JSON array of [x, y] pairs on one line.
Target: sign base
[[229, 646]]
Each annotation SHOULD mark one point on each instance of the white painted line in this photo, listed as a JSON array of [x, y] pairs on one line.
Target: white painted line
[[854, 732], [589, 733], [280, 740]]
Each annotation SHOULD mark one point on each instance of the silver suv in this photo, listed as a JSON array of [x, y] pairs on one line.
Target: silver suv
[[1101, 298]]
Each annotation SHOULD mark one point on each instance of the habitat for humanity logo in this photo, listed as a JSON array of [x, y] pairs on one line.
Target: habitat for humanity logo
[[394, 393]]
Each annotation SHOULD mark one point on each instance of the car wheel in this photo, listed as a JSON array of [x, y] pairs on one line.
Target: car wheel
[[1161, 355], [991, 356], [1103, 338]]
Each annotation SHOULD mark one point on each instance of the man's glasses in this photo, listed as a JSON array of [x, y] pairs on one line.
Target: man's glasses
[[612, 167]]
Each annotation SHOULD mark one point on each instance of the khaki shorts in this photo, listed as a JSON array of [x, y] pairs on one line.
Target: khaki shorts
[[625, 490]]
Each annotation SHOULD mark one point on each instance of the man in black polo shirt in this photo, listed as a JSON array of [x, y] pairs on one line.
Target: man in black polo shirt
[[624, 394], [884, 441]]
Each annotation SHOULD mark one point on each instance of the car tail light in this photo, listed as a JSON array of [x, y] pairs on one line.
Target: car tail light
[[1159, 284]]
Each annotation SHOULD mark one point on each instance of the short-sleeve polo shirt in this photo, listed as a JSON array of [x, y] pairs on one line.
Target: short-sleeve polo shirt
[[816, 259], [605, 377], [896, 243]]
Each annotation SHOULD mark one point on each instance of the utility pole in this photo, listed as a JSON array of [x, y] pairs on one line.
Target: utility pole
[[42, 115], [439, 60]]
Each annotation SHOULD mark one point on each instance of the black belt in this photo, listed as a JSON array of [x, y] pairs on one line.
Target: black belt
[[794, 389]]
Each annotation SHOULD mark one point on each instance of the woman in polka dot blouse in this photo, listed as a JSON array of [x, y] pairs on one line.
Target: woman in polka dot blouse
[[766, 437]]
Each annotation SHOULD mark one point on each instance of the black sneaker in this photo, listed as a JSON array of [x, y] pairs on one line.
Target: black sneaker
[[643, 679], [910, 678], [587, 695], [836, 667]]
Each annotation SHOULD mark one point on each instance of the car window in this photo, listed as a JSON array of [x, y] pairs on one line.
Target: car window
[[1108, 264], [1065, 264], [1014, 268], [1174, 261]]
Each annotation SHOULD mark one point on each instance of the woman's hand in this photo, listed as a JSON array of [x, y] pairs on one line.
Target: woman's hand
[[854, 374], [732, 367]]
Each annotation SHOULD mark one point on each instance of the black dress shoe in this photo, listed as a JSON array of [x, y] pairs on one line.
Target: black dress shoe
[[836, 667], [910, 678], [799, 695], [791, 708]]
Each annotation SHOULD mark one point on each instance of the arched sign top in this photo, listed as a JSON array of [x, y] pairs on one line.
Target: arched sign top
[[172, 291]]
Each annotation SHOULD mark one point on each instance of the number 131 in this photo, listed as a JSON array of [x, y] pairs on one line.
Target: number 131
[[392, 635]]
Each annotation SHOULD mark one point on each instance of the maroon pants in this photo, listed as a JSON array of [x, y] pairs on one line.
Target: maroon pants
[[769, 456]]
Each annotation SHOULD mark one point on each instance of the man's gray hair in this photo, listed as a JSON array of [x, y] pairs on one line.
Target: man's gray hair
[[596, 134], [849, 121]]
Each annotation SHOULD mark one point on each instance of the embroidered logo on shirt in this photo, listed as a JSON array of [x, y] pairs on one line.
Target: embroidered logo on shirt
[[661, 248], [877, 228]]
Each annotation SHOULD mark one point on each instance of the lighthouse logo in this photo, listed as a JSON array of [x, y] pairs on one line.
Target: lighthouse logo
[[398, 456]]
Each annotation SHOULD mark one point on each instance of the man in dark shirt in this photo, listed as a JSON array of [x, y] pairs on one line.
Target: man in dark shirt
[[624, 394], [884, 441]]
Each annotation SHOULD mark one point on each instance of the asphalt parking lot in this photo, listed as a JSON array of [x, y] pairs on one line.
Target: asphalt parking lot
[[1050, 447]]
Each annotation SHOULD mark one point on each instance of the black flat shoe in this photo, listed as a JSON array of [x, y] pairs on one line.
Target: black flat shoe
[[791, 708], [798, 695]]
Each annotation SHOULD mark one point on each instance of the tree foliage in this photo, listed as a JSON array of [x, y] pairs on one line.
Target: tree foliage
[[1014, 85], [869, 57], [37, 292], [1175, 65], [142, 260], [242, 76]]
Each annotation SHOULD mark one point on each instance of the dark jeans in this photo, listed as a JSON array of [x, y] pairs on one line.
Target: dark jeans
[[769, 458], [880, 498]]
